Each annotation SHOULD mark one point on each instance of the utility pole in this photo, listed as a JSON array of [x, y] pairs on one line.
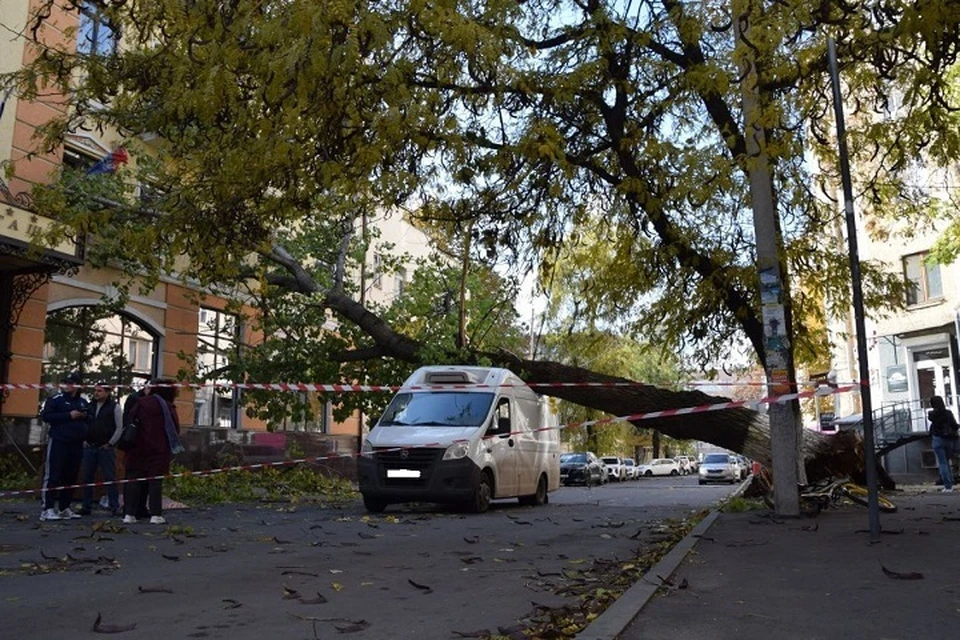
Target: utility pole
[[774, 294], [869, 453]]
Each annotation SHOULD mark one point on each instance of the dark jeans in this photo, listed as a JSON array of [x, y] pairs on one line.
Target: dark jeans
[[60, 468], [945, 448], [106, 460], [136, 493]]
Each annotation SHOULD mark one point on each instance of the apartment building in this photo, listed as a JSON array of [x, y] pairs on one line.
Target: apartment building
[[912, 353]]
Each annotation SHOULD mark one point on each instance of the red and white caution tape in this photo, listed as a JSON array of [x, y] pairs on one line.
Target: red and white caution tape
[[343, 388]]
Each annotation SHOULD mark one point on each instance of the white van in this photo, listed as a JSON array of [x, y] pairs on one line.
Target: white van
[[464, 435]]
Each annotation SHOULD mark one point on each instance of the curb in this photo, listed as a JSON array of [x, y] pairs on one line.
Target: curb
[[618, 616]]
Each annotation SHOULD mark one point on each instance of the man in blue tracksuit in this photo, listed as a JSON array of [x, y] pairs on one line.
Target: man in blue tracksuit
[[68, 415]]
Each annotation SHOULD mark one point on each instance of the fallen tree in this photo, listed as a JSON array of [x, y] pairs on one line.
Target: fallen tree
[[742, 430]]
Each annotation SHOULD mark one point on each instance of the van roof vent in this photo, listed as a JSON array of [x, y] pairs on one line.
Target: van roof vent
[[448, 377]]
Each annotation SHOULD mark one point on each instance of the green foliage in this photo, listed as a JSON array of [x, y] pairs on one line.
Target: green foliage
[[294, 484], [14, 474], [298, 343], [514, 129], [609, 353], [740, 504]]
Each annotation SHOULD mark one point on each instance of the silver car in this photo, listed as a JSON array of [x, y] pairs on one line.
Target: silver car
[[719, 467]]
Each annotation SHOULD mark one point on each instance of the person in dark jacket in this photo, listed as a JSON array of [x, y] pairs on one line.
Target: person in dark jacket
[[128, 405], [157, 440], [943, 433], [98, 449], [68, 416]]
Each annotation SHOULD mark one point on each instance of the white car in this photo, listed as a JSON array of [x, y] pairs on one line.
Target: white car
[[719, 467], [632, 470], [686, 465], [615, 468], [659, 467]]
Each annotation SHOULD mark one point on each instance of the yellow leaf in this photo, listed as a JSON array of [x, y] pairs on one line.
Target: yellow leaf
[[336, 586]]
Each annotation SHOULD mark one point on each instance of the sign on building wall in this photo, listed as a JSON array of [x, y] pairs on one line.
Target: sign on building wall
[[897, 378]]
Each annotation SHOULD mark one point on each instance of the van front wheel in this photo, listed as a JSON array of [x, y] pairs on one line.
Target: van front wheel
[[540, 498], [373, 505], [482, 495]]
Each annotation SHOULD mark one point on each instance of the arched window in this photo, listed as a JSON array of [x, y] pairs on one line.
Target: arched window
[[103, 345]]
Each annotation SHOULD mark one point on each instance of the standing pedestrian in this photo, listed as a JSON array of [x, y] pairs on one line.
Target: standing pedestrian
[[158, 440], [98, 449], [944, 434], [68, 416], [141, 508]]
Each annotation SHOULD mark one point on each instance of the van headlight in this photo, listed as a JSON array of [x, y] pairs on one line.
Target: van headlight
[[366, 448], [456, 451]]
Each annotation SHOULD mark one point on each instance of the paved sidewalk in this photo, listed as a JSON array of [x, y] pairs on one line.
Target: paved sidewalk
[[752, 576]]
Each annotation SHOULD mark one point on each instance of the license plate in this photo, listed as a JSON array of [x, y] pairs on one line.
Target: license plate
[[403, 473]]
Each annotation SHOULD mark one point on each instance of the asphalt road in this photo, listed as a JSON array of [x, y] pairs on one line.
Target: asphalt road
[[313, 571]]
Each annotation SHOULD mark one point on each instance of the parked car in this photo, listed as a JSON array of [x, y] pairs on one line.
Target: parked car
[[745, 467], [632, 470], [580, 467], [604, 471], [719, 467], [614, 467], [660, 467], [686, 465]]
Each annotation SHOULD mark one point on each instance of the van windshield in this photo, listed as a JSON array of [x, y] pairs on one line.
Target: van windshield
[[437, 409]]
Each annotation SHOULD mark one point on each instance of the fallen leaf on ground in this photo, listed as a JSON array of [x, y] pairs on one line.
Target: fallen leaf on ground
[[154, 589], [318, 600], [99, 627], [359, 625], [897, 575], [422, 587]]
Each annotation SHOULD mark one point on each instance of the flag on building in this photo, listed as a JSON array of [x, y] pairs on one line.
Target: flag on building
[[110, 162]]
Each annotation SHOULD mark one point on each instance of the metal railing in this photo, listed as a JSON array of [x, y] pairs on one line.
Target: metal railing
[[898, 423]]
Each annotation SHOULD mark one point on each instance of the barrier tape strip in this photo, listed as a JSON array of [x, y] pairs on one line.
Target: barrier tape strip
[[575, 425], [341, 388]]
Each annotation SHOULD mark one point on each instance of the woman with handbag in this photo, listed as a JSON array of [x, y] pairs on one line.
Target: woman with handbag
[[156, 442]]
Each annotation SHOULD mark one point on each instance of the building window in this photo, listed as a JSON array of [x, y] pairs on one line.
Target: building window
[[312, 415], [95, 35], [103, 345], [401, 282], [217, 349], [77, 160], [922, 279]]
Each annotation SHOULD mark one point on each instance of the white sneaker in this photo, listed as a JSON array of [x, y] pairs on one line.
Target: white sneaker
[[50, 514], [129, 520], [67, 514], [158, 520], [950, 490]]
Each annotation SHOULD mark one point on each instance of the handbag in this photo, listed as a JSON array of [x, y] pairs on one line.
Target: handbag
[[128, 437]]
